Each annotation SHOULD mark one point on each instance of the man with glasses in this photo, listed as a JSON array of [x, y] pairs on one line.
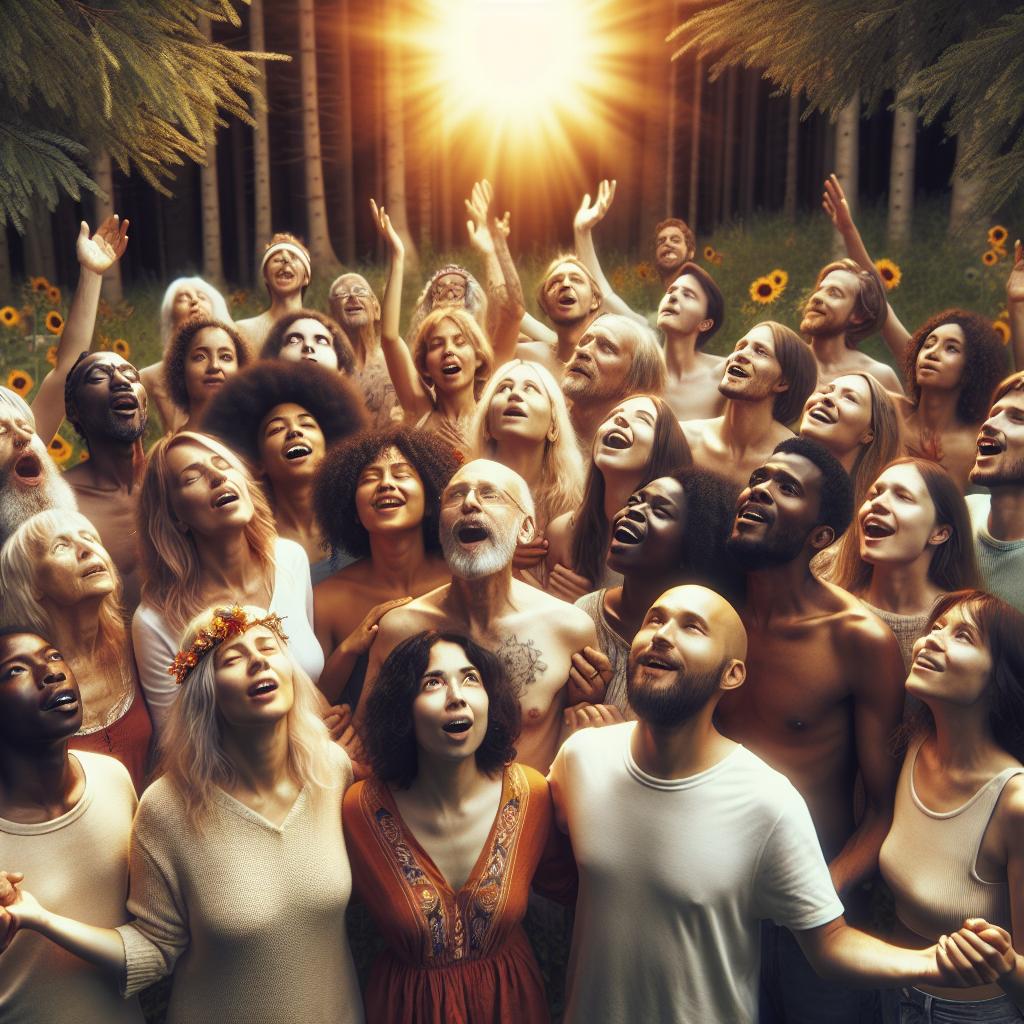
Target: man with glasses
[[545, 644]]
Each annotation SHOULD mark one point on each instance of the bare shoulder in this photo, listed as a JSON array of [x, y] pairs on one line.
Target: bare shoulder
[[422, 613], [697, 431], [1010, 812], [856, 628], [565, 618], [884, 374]]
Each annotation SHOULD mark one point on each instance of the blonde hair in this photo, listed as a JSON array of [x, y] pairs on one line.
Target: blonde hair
[[470, 329], [20, 606], [191, 750], [171, 572], [561, 475]]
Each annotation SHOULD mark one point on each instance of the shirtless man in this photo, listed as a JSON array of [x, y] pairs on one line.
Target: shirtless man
[[286, 271], [486, 510], [766, 382], [690, 312], [824, 688], [614, 358], [106, 403]]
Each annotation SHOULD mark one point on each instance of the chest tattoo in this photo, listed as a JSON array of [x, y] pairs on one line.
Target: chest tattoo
[[521, 659]]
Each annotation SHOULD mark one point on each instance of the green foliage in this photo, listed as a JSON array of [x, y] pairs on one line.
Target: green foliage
[[136, 78]]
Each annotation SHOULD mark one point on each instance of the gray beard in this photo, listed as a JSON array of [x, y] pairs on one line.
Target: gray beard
[[20, 503], [476, 565]]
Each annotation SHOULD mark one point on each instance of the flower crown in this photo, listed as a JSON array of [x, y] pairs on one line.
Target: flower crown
[[228, 622]]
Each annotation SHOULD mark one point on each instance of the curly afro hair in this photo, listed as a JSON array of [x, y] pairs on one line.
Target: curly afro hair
[[984, 361], [236, 412], [177, 353], [342, 346], [388, 728], [334, 495]]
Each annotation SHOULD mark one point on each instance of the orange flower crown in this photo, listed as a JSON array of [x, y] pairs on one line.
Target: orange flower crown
[[227, 623]]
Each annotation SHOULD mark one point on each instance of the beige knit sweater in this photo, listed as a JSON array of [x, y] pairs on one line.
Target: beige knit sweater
[[249, 916]]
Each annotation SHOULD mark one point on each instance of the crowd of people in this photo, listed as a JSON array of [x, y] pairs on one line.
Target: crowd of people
[[419, 679]]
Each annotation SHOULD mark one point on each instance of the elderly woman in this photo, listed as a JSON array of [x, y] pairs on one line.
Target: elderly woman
[[206, 536], [202, 356], [447, 837], [306, 336], [57, 578], [250, 782], [282, 418]]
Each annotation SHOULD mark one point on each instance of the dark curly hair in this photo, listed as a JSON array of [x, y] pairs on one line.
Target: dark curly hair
[[342, 346], [235, 413], [836, 487], [334, 495], [388, 733], [177, 353], [984, 361]]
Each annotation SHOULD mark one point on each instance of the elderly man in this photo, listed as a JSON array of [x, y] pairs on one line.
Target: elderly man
[[486, 510], [29, 480], [106, 403]]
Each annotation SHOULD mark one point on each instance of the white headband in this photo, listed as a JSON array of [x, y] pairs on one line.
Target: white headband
[[292, 248]]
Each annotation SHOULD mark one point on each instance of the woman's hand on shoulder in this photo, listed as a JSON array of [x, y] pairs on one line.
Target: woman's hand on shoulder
[[360, 640]]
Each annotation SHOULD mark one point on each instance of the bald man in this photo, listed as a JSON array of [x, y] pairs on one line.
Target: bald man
[[486, 510], [685, 840]]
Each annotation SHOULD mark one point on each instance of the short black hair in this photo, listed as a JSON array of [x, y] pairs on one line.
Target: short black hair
[[339, 339], [18, 629], [388, 732], [716, 301], [836, 487], [334, 494], [177, 352], [236, 411]]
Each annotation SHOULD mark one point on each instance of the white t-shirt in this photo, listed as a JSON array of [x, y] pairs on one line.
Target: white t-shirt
[[156, 643], [675, 876]]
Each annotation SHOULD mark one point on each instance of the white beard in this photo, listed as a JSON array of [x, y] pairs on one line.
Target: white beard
[[477, 564], [20, 503]]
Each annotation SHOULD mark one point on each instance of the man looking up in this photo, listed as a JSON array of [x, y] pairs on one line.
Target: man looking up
[[824, 689], [105, 402], [998, 517], [615, 358], [846, 306], [766, 382], [486, 510], [685, 841], [286, 271]]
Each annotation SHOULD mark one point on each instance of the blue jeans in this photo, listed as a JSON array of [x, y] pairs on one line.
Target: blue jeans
[[911, 1006]]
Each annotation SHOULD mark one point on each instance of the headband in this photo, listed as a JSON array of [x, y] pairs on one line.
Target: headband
[[226, 623], [290, 247], [16, 402]]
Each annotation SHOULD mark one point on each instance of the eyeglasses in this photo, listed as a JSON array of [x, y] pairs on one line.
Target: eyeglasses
[[449, 291], [489, 495], [358, 291]]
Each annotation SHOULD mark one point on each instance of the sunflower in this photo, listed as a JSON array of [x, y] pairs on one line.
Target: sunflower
[[718, 259], [60, 451], [9, 316], [709, 253], [40, 284], [644, 271], [997, 235], [763, 290], [51, 355], [890, 273], [990, 258], [53, 294], [20, 382], [1002, 328], [54, 322], [122, 348], [779, 278]]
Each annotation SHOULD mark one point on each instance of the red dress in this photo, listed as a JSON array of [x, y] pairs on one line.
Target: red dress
[[128, 738], [455, 958]]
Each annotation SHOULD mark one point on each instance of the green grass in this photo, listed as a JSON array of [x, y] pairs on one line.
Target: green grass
[[937, 273]]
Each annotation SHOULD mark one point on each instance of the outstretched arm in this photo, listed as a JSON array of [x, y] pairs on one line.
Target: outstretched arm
[[833, 202], [1015, 304], [96, 255], [413, 396]]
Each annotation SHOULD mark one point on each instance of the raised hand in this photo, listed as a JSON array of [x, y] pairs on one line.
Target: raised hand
[[589, 676], [478, 226], [1015, 282], [589, 215], [101, 251], [833, 202], [386, 229]]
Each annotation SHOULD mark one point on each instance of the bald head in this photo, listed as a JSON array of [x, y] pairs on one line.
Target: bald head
[[481, 472]]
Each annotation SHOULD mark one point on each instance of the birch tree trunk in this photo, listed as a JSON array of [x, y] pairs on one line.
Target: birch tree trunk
[[727, 142], [40, 258], [698, 95], [260, 145], [213, 264], [846, 163], [320, 247], [792, 141], [963, 206], [346, 197], [103, 173], [748, 145], [901, 175]]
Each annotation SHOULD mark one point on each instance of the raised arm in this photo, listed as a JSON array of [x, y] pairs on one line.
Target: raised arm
[[96, 255], [1015, 304], [412, 394], [833, 202]]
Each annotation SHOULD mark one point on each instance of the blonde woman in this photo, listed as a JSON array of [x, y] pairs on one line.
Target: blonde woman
[[224, 894], [207, 536], [522, 422], [58, 579]]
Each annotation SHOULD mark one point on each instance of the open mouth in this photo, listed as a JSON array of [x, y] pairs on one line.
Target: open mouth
[[567, 298], [877, 528], [262, 687], [658, 661], [735, 370], [617, 439], [61, 699], [457, 726], [28, 469], [627, 532], [472, 533], [580, 368], [125, 403], [299, 450], [515, 410], [750, 513], [388, 502], [213, 382], [929, 661], [451, 369], [353, 306], [228, 498], [821, 414], [95, 570], [986, 446]]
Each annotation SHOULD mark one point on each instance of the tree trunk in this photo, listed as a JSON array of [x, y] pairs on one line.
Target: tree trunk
[[103, 173], [718, 153], [963, 206], [40, 258], [749, 150], [346, 197], [242, 250], [792, 140], [260, 145], [320, 247], [727, 142], [671, 140], [698, 90], [652, 164], [394, 136], [846, 162], [901, 175], [213, 264], [6, 288]]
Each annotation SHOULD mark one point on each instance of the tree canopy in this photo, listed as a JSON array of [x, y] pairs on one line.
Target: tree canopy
[[136, 78]]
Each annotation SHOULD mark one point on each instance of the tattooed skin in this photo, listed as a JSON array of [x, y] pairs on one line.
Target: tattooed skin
[[521, 659]]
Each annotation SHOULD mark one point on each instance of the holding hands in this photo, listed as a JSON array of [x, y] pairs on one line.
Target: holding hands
[[978, 954]]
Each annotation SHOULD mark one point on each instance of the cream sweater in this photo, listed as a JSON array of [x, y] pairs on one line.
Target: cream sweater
[[249, 916]]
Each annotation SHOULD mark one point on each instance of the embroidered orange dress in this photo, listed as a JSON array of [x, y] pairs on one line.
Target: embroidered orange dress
[[455, 957]]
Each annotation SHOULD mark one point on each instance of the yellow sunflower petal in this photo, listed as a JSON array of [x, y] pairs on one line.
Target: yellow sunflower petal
[[997, 235], [20, 382], [53, 294], [709, 252], [889, 272], [60, 451], [763, 290], [779, 278], [40, 284], [1002, 328], [990, 258], [51, 355], [54, 322], [122, 348], [9, 317]]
